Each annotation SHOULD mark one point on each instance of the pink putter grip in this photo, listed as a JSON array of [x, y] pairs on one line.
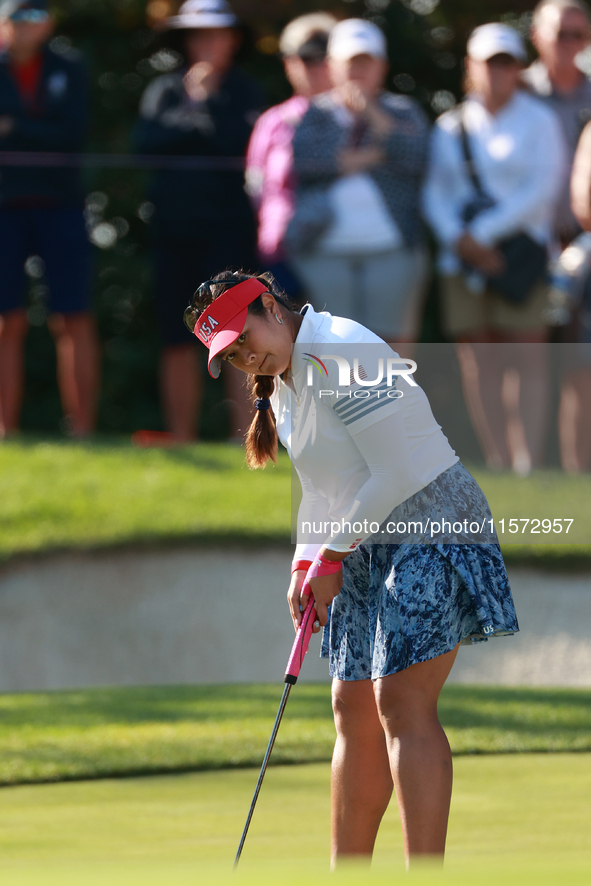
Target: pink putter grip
[[301, 642]]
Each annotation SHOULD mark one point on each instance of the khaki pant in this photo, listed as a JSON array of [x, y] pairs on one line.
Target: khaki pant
[[465, 312]]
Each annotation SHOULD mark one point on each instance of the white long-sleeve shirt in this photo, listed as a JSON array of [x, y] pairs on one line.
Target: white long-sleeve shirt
[[521, 160], [359, 448]]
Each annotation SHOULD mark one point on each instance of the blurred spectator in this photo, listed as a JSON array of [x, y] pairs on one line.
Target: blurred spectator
[[44, 107], [575, 413], [517, 154], [270, 181], [202, 220], [561, 30], [359, 155]]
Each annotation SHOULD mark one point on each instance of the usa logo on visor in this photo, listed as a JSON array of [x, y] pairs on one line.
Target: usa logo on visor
[[206, 328]]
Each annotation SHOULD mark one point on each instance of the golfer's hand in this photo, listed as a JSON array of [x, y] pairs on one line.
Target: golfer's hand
[[325, 588], [293, 596]]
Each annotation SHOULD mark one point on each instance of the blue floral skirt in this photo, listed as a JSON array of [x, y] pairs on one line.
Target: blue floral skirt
[[404, 602]]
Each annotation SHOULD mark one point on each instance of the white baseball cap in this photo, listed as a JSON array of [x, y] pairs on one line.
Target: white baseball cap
[[495, 39], [203, 14], [355, 36]]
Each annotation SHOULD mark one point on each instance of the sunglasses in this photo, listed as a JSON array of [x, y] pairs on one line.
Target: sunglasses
[[33, 16], [502, 60], [201, 293], [572, 36]]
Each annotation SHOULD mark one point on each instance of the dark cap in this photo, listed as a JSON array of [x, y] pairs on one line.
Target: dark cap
[[314, 49]]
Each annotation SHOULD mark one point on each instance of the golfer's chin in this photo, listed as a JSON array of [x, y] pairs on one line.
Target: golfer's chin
[[271, 365]]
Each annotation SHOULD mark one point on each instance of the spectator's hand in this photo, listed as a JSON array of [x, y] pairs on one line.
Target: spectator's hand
[[381, 123], [353, 160], [6, 125], [487, 259], [201, 81], [353, 97]]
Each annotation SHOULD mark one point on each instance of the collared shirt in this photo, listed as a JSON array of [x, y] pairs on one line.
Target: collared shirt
[[520, 156], [270, 181], [359, 449], [574, 111]]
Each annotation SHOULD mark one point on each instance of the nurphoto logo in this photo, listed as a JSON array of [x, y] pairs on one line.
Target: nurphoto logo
[[394, 367]]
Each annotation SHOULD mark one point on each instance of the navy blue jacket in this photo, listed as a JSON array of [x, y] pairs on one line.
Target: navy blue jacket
[[57, 122], [186, 200]]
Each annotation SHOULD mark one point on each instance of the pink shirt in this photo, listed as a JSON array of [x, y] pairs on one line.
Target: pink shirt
[[270, 182]]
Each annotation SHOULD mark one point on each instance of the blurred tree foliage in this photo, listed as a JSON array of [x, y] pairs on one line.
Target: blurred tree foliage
[[123, 47]]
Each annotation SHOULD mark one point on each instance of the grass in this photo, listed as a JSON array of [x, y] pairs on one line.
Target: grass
[[73, 495], [96, 733], [64, 495], [517, 820]]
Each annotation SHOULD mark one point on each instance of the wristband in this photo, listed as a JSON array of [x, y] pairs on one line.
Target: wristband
[[321, 566], [300, 564]]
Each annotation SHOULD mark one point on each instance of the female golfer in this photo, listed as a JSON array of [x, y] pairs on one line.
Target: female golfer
[[372, 468]]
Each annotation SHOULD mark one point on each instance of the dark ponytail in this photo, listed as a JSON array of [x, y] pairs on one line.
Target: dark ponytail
[[261, 437]]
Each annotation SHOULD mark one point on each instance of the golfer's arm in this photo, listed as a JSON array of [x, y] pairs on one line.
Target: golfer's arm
[[312, 512], [384, 446]]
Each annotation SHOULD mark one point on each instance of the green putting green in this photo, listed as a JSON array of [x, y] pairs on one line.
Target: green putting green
[[515, 819]]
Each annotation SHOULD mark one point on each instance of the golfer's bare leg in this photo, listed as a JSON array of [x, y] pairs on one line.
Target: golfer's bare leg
[[13, 329], [361, 778], [420, 756]]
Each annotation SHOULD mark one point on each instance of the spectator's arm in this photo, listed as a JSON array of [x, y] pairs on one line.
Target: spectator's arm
[[166, 125], [232, 124], [315, 156], [444, 188], [212, 128], [546, 175], [407, 144], [256, 161], [580, 184]]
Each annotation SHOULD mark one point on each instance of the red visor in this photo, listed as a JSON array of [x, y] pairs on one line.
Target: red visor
[[222, 322]]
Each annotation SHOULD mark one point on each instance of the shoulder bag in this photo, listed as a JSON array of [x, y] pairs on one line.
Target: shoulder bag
[[525, 258]]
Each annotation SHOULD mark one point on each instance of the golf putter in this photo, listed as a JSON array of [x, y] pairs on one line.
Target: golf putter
[[296, 658]]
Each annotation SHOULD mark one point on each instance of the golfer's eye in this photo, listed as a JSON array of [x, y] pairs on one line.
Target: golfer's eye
[[241, 339]]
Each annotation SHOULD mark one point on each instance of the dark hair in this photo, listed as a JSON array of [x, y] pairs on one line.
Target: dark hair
[[261, 437]]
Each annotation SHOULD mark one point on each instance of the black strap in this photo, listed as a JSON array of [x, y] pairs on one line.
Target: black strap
[[470, 166]]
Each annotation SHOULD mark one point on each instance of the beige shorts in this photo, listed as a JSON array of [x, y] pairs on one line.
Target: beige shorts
[[464, 311]]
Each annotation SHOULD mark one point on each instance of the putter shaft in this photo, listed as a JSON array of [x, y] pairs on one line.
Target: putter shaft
[[296, 658], [282, 704]]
